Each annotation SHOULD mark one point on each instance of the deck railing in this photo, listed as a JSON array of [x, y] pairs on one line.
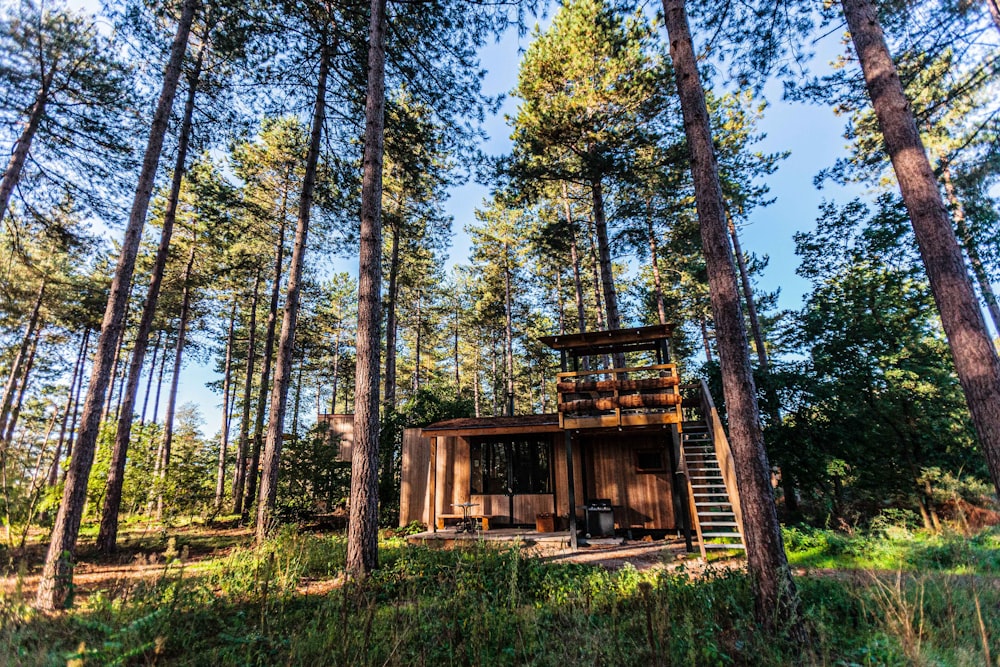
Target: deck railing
[[617, 397]]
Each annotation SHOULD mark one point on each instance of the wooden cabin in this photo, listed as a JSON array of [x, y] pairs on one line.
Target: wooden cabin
[[623, 429]]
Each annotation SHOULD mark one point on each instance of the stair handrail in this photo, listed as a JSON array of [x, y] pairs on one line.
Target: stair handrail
[[723, 453], [692, 507]]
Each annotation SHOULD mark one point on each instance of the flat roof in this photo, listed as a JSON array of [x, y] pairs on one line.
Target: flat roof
[[607, 342], [547, 423]]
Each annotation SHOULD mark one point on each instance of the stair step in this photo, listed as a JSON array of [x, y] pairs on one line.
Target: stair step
[[707, 486], [715, 545], [721, 534], [718, 523], [704, 476], [717, 514], [712, 504], [710, 494]]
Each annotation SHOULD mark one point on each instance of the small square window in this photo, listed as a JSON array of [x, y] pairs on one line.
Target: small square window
[[649, 460]]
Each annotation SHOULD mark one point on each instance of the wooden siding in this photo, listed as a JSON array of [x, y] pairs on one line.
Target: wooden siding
[[413, 499], [639, 499], [343, 425]]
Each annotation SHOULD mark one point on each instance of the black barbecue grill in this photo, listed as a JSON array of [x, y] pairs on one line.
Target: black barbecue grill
[[600, 518]]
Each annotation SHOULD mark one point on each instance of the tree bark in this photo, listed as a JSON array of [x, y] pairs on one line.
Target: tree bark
[[994, 7], [362, 532], [416, 346], [776, 602], [604, 252], [57, 575], [22, 353], [758, 337], [227, 374], [574, 254], [152, 374], [389, 402], [168, 418], [15, 412], [53, 475], [113, 375], [239, 474], [654, 261], [159, 380], [13, 172], [508, 331], [975, 358], [107, 536], [336, 369], [969, 243], [286, 341]]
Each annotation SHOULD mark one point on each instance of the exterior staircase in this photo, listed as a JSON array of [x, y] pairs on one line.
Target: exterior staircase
[[714, 516]]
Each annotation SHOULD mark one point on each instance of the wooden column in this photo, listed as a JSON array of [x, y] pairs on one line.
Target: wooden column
[[433, 483], [570, 490]]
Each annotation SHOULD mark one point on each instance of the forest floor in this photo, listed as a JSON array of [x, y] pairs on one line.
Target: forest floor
[[197, 595]]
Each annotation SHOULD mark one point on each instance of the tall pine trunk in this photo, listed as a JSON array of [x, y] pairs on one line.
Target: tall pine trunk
[[168, 419], [149, 380], [286, 341], [741, 263], [10, 389], [227, 374], [13, 172], [77, 378], [604, 254], [969, 243], [508, 331], [57, 576], [15, 412], [574, 253], [242, 444], [264, 390], [975, 358], [776, 601], [389, 402], [362, 531], [107, 536], [654, 261]]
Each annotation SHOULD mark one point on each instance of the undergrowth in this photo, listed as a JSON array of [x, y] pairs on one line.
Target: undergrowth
[[285, 603]]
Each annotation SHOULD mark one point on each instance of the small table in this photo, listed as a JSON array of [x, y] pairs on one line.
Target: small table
[[467, 525]]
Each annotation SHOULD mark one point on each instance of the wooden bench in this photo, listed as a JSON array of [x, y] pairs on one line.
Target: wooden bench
[[483, 519]]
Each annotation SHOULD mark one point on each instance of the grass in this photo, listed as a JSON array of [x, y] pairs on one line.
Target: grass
[[285, 603]]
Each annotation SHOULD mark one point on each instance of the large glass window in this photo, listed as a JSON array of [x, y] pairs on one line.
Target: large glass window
[[501, 466]]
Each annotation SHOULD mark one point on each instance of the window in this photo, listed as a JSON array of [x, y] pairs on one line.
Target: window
[[505, 467], [649, 460]]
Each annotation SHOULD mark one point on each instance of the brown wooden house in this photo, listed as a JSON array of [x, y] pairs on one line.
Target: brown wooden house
[[645, 455]]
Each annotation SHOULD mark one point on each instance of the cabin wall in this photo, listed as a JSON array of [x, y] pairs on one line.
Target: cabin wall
[[414, 503], [641, 500], [562, 478], [342, 425]]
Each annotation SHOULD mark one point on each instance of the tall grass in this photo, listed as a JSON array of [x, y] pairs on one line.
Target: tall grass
[[285, 603]]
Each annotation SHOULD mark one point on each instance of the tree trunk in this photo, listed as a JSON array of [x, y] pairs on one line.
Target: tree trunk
[[475, 383], [604, 252], [53, 475], [508, 331], [362, 532], [220, 475], [13, 172], [152, 374], [574, 254], [159, 380], [22, 354], [596, 274], [264, 390], [417, 348], [57, 576], [107, 537], [336, 369], [776, 602], [168, 418], [458, 322], [758, 338], [286, 342], [705, 339], [296, 402], [976, 361], [113, 375], [654, 261], [240, 472], [994, 6], [389, 402], [15, 412], [560, 310], [969, 243]]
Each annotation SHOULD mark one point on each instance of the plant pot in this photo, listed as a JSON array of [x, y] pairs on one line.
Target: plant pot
[[545, 522]]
